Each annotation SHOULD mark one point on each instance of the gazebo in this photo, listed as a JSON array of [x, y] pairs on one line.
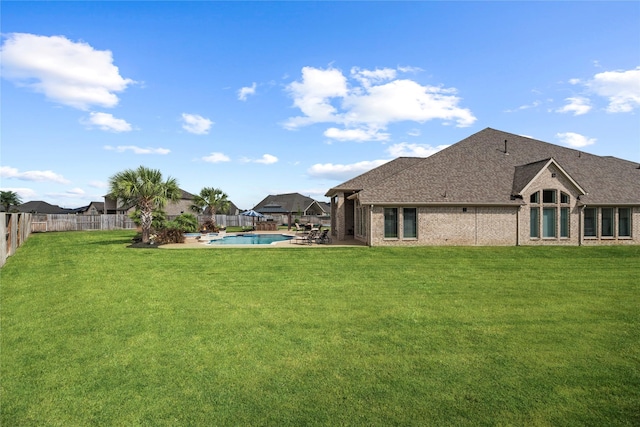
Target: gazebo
[[274, 209]]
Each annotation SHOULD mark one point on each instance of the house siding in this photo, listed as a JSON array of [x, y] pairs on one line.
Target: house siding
[[452, 225]]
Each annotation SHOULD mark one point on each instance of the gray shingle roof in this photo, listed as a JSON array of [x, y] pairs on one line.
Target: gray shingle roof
[[477, 170], [290, 202], [39, 206]]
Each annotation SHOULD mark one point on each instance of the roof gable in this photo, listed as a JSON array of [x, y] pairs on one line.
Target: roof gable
[[526, 174]]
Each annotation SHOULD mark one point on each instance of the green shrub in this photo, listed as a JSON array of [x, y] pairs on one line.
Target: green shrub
[[188, 223]]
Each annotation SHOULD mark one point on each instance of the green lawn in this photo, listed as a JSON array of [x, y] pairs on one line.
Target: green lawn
[[95, 333]]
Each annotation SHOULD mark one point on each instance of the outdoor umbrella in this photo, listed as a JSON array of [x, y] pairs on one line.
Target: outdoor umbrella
[[253, 214]]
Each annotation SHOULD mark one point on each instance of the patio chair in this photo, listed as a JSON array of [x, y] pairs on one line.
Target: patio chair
[[299, 229], [323, 237], [308, 238]]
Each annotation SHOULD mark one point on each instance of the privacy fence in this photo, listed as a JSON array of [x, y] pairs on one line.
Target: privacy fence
[[72, 222], [15, 227]]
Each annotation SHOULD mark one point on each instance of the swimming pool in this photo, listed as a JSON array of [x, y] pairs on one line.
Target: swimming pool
[[251, 239]]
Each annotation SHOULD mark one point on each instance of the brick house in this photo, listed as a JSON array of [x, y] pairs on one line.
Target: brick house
[[492, 188]]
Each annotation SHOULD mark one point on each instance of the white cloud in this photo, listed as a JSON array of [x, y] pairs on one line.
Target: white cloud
[[405, 149], [534, 104], [621, 88], [402, 100], [40, 176], [107, 122], [343, 172], [196, 124], [137, 150], [216, 158], [66, 72], [574, 139], [24, 193], [369, 77], [373, 100], [358, 135], [267, 159], [244, 92], [75, 192], [578, 105], [312, 96]]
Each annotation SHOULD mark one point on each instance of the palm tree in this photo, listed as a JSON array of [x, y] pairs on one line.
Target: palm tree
[[144, 189], [9, 198], [212, 198]]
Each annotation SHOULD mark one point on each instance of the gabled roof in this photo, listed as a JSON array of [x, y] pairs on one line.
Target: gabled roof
[[487, 167], [38, 206], [280, 203], [99, 206], [526, 174]]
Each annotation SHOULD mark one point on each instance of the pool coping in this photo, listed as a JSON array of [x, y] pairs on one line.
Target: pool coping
[[195, 243]]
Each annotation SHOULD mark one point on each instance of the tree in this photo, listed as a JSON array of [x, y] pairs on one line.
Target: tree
[[144, 189], [212, 198], [8, 199]]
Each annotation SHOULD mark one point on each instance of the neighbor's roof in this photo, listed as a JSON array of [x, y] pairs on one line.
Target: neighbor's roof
[[290, 202], [477, 170], [38, 206]]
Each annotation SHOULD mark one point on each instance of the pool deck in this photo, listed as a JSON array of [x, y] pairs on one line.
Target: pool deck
[[195, 243]]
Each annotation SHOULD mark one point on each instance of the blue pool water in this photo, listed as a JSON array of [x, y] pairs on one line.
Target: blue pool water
[[251, 239]]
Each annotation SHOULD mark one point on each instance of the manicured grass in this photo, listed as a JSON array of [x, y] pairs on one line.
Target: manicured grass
[[94, 333]]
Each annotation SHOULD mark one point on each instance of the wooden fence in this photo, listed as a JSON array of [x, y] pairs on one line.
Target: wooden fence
[[73, 222], [15, 229]]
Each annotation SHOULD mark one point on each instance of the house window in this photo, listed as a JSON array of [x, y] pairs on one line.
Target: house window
[[590, 222], [564, 222], [409, 223], [390, 222], [535, 198], [564, 198], [624, 222], [607, 222], [548, 196], [534, 223], [549, 222]]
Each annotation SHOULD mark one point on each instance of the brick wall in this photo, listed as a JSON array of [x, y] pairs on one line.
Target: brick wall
[[452, 225]]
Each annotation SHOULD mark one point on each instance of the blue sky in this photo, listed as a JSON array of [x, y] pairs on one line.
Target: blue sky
[[259, 98]]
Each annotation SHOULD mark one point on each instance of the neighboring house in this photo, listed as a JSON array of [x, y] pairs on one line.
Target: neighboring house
[[40, 207], [183, 205], [281, 206], [94, 208], [492, 188]]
